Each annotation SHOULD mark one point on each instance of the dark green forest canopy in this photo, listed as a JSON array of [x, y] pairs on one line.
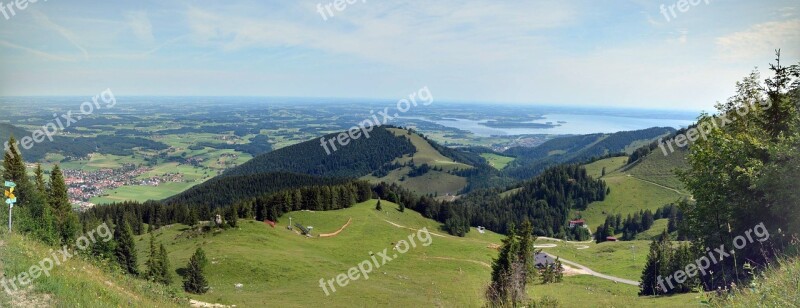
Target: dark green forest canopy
[[358, 158]]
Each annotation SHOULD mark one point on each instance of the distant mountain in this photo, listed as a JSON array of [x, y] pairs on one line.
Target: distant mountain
[[575, 149]]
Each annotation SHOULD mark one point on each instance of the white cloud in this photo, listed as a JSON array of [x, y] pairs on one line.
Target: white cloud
[[401, 34], [761, 39], [140, 25]]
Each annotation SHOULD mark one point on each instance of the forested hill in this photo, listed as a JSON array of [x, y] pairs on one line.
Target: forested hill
[[222, 191], [576, 149], [358, 158]]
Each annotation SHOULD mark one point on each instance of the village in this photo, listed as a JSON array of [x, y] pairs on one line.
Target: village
[[83, 185]]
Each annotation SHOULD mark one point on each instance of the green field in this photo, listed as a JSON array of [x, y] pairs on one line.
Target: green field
[[595, 169], [499, 162], [660, 169], [280, 268], [438, 183], [141, 193], [628, 195]]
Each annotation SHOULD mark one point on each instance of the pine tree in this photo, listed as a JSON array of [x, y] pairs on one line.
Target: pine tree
[[191, 218], [508, 274], [41, 186], [153, 262], [126, 248], [164, 275], [378, 206], [230, 216], [195, 281], [58, 199], [402, 207], [658, 262]]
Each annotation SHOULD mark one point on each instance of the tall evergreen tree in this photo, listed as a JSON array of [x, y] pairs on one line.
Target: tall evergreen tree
[[165, 276], [153, 263], [126, 248], [58, 199], [195, 280], [658, 265]]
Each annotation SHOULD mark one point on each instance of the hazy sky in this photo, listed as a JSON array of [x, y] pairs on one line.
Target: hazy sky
[[604, 53]]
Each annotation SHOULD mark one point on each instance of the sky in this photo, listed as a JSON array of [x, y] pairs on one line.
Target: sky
[[587, 53]]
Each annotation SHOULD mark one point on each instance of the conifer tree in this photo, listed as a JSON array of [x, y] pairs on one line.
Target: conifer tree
[[164, 275], [58, 199], [126, 248], [378, 206], [195, 280], [153, 261]]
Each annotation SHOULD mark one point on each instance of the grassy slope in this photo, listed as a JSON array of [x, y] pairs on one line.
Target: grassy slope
[[280, 268], [628, 194], [499, 162], [660, 169], [433, 182], [777, 287], [76, 283], [595, 169]]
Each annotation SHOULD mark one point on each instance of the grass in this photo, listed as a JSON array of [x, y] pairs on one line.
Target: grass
[[142, 193], [434, 182], [610, 258], [281, 268], [426, 154], [628, 195], [595, 169], [778, 286], [588, 291], [499, 162], [660, 169], [76, 282], [658, 227]]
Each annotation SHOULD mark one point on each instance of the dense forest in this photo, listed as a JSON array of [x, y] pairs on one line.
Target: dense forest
[[223, 191], [358, 158]]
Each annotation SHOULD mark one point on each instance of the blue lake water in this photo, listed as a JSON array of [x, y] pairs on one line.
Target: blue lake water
[[576, 124]]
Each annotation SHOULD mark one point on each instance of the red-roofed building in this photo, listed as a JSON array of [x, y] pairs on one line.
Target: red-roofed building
[[577, 223]]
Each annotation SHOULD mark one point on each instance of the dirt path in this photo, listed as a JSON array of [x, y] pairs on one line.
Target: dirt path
[[337, 231], [404, 227], [589, 271], [659, 185]]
